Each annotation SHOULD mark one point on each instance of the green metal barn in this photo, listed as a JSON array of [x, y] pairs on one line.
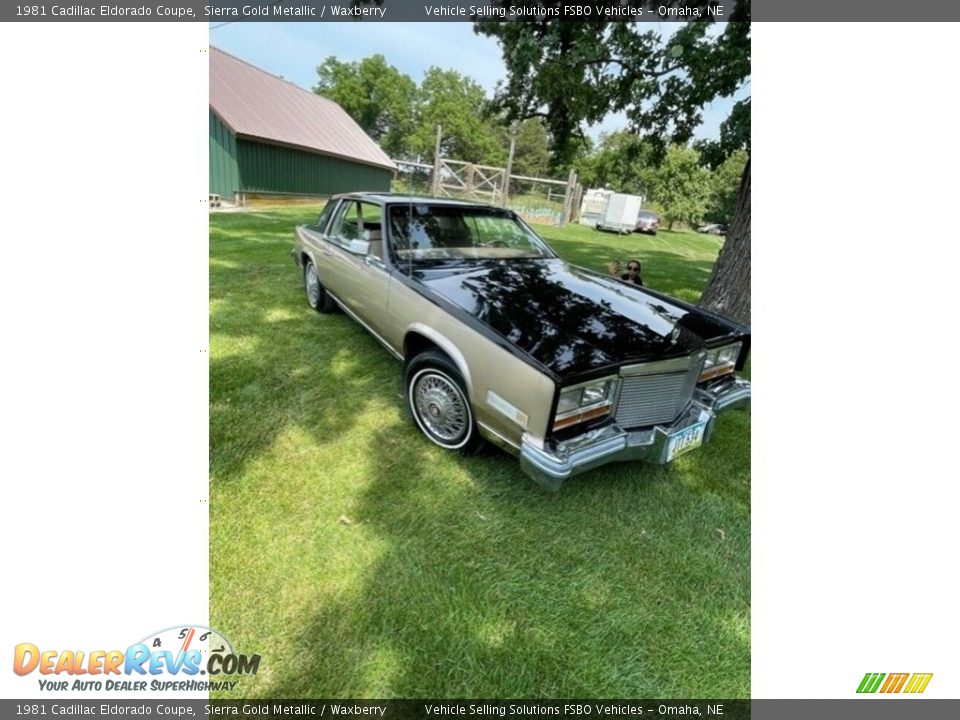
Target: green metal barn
[[271, 137]]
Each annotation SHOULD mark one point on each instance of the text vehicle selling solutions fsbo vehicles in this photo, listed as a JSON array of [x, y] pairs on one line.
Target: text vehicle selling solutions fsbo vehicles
[[501, 339]]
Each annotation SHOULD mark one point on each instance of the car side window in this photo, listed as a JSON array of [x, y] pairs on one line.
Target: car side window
[[328, 210], [359, 221], [348, 226]]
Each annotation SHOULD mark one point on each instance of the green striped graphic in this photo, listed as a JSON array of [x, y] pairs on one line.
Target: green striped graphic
[[870, 682]]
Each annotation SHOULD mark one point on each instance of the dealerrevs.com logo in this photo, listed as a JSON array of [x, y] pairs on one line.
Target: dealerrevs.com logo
[[894, 682], [172, 659]]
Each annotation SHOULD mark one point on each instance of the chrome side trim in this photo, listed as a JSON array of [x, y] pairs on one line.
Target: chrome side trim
[[353, 316]]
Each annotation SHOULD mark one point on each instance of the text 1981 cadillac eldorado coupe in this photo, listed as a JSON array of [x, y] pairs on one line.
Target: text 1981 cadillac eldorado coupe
[[503, 340]]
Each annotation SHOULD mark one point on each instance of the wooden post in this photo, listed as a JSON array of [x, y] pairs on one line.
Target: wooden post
[[506, 173], [471, 180], [435, 184], [568, 197]]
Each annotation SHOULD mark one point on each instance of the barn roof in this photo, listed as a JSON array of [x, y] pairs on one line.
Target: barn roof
[[255, 104]]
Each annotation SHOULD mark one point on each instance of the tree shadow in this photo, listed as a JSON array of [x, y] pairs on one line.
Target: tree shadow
[[465, 579], [489, 587], [275, 363]]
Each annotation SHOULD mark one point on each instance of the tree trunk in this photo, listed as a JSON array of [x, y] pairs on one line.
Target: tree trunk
[[728, 290]]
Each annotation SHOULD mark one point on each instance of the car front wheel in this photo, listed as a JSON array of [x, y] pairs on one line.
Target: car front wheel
[[317, 296], [437, 399]]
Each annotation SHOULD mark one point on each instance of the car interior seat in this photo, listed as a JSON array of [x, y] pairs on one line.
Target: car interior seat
[[375, 237]]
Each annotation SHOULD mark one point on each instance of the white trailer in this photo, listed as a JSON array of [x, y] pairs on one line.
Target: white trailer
[[620, 214], [594, 202]]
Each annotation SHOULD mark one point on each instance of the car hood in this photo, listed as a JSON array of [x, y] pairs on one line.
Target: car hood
[[571, 320]]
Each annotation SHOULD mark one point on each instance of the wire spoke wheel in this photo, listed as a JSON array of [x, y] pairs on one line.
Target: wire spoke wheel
[[317, 295], [441, 407], [312, 284], [439, 402]]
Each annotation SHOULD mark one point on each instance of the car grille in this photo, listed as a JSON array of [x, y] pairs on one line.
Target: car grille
[[650, 399]]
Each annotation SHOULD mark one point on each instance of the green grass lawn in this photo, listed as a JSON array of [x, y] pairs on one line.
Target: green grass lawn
[[360, 560]]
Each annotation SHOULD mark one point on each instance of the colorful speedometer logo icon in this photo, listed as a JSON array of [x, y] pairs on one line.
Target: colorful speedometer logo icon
[[179, 640]]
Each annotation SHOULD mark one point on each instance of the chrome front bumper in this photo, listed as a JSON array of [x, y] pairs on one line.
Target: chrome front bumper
[[611, 443]]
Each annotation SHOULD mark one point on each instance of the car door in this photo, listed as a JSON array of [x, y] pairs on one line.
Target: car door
[[317, 241], [361, 281]]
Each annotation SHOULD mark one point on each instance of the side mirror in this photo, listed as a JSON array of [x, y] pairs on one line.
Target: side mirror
[[358, 247]]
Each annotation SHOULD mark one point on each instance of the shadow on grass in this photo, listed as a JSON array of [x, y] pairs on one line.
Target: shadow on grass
[[619, 586], [424, 574], [290, 365], [274, 362]]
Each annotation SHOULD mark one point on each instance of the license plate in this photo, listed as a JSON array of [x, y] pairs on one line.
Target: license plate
[[687, 439]]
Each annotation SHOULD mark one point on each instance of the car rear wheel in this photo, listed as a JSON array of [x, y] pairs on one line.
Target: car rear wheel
[[437, 399], [317, 295]]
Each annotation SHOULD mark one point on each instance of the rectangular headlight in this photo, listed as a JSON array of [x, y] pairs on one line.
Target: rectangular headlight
[[569, 400], [596, 392], [586, 401], [720, 361]]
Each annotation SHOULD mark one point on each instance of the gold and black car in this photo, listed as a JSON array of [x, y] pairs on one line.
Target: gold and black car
[[501, 339]]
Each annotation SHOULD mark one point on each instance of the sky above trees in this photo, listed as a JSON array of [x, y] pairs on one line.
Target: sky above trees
[[294, 50]]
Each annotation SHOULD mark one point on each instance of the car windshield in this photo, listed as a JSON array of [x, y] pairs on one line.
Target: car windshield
[[645, 215], [448, 232]]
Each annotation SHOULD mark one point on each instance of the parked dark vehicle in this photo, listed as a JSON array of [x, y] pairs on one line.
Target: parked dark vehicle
[[647, 222], [501, 339]]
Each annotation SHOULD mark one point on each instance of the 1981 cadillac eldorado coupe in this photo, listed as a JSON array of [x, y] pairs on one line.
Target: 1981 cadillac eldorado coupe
[[501, 339]]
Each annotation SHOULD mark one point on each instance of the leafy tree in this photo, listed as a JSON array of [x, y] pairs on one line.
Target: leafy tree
[[682, 186], [726, 185], [531, 154], [379, 97], [622, 162], [459, 105], [578, 72], [583, 147]]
